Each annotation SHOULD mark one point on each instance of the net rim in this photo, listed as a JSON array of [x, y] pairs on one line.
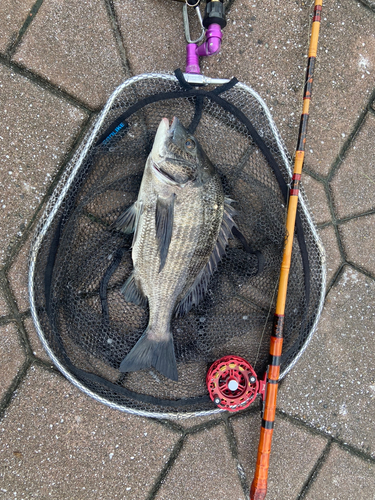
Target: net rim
[[53, 206]]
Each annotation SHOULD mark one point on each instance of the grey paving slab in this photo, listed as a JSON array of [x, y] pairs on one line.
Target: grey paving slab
[[57, 443], [333, 256], [343, 477], [332, 387], [153, 34], [265, 45], [204, 470], [294, 450], [71, 44], [342, 85], [36, 132], [12, 356], [13, 14], [18, 276], [358, 240], [353, 186], [317, 199], [4, 309]]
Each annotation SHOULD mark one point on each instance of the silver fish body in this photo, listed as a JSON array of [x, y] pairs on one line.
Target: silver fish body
[[181, 222]]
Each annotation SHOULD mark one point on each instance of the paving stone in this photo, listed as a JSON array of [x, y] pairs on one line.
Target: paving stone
[[12, 356], [294, 450], [153, 35], [18, 276], [264, 46], [36, 131], [71, 44], [332, 387], [333, 257], [58, 443], [4, 310], [13, 14], [354, 183], [35, 343], [343, 477], [317, 199], [204, 470], [359, 239], [249, 52], [342, 85]]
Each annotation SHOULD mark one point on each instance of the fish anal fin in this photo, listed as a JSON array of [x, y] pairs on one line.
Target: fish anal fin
[[164, 226], [199, 288], [132, 293]]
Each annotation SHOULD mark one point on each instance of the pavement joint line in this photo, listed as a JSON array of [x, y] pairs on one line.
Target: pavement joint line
[[335, 278], [30, 17], [9, 297], [231, 438], [353, 450], [10, 393], [369, 6], [315, 471], [47, 366], [315, 175], [30, 228], [45, 84], [118, 37], [349, 218], [351, 138], [165, 470], [5, 320], [170, 424], [361, 270], [16, 317]]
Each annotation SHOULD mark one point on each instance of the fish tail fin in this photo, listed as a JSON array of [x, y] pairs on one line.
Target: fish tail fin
[[147, 353]]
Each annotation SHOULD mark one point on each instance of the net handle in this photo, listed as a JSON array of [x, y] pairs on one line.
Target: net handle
[[259, 485]]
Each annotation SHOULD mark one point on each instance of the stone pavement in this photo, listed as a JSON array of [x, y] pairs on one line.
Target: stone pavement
[[59, 61]]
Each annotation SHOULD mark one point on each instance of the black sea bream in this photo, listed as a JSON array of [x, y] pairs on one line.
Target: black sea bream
[[181, 222]]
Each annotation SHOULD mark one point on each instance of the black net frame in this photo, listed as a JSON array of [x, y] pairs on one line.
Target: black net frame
[[78, 262]]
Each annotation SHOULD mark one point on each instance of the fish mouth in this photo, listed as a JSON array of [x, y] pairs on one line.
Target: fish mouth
[[163, 175], [159, 153]]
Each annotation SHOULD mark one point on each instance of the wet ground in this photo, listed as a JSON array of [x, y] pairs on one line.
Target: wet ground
[[59, 62]]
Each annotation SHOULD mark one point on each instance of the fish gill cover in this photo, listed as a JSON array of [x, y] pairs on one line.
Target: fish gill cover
[[80, 260]]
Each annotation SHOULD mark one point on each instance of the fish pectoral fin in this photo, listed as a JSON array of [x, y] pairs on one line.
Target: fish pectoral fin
[[127, 221], [149, 353], [132, 293], [199, 288], [164, 226]]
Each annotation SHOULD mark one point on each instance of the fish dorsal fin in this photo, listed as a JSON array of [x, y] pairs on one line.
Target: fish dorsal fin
[[198, 289], [164, 226]]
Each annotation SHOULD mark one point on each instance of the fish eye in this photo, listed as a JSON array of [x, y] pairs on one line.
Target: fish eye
[[190, 144]]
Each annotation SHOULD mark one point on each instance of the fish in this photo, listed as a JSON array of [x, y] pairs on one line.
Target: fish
[[181, 222]]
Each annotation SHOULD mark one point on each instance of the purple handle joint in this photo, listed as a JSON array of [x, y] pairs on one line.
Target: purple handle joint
[[210, 47]]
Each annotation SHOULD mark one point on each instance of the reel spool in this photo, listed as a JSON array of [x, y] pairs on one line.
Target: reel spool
[[233, 384]]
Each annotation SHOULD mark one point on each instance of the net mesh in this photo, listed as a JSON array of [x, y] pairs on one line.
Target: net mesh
[[79, 262]]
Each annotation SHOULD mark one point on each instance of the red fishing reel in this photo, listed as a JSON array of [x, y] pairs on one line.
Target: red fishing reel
[[233, 384]]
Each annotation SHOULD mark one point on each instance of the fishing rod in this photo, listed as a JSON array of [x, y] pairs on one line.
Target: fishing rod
[[259, 484]]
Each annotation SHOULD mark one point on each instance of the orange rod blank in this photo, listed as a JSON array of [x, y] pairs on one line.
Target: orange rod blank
[[259, 485]]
